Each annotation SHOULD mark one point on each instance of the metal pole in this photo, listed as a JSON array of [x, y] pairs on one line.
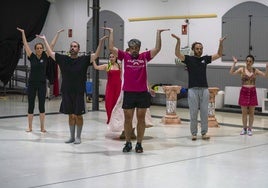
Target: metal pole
[[250, 45], [95, 35]]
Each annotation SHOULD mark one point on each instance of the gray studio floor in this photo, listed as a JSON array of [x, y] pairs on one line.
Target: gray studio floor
[[170, 158]]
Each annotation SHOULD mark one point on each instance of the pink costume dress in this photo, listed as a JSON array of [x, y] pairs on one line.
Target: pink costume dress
[[113, 89]]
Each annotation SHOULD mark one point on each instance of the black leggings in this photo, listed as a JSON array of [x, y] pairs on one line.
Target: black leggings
[[41, 92]]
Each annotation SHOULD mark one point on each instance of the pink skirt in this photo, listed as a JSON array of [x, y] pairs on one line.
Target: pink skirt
[[248, 96]]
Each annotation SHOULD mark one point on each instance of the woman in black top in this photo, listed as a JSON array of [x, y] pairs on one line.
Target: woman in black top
[[37, 79]]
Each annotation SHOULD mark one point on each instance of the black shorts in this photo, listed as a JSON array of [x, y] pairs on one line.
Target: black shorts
[[136, 100], [73, 103]]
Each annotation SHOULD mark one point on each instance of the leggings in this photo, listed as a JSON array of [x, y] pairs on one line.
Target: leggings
[[40, 90]]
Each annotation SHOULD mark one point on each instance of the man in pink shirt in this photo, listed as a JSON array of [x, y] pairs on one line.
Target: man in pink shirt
[[136, 95]]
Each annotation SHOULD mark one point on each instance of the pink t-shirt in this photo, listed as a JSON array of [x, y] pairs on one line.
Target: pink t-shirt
[[135, 71]]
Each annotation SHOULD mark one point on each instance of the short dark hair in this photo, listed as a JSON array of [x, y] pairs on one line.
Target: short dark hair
[[78, 45], [195, 43]]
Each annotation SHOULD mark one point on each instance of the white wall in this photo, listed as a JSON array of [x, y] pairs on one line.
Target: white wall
[[73, 14]]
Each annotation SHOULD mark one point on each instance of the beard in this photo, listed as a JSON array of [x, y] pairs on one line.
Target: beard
[[72, 52], [198, 54], [135, 55]]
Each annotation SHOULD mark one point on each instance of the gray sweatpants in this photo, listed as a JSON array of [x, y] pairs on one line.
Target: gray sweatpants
[[198, 97]]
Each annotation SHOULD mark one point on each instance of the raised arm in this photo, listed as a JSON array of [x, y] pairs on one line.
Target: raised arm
[[178, 48], [158, 43], [25, 43], [112, 48], [49, 51], [54, 40], [95, 55], [99, 67], [266, 71], [219, 53], [232, 70], [263, 74]]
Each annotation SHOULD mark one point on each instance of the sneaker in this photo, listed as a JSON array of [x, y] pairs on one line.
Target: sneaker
[[205, 137], [249, 132], [243, 132], [194, 137], [138, 148], [128, 147]]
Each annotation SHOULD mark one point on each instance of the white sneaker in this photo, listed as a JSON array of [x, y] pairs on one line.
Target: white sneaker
[[249, 132], [243, 132]]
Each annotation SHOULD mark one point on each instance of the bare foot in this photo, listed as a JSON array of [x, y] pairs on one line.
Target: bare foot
[[43, 131], [29, 130]]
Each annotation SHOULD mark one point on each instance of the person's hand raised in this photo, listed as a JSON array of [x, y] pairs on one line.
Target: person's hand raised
[[41, 36], [175, 36], [108, 29], [19, 29], [234, 59], [161, 30], [61, 30], [104, 37]]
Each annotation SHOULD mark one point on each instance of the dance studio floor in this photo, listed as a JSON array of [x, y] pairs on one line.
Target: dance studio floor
[[170, 159]]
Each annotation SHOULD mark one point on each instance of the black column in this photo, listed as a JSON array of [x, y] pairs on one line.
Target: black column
[[95, 35]]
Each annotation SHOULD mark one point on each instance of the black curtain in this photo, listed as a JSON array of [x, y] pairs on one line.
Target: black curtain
[[29, 15]]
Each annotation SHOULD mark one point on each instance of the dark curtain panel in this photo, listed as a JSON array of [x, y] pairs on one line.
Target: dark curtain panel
[[29, 15]]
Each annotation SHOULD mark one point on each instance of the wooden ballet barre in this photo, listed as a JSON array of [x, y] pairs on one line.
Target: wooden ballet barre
[[197, 16]]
